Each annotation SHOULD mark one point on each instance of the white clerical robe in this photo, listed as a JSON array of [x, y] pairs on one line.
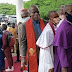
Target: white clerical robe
[[45, 41]]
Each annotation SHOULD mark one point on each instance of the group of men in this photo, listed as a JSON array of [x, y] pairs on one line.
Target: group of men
[[46, 47]]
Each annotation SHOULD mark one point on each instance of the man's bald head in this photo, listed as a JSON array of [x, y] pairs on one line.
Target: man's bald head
[[34, 12], [62, 7], [33, 7], [68, 8], [53, 17], [61, 10], [52, 14], [68, 12]]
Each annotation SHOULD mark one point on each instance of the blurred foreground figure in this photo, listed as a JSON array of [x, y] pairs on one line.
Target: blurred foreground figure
[[2, 56]]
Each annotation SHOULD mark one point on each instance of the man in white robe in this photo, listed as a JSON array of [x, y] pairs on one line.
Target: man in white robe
[[45, 42]]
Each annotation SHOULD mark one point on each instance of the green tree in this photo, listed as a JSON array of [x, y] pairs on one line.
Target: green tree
[[44, 6], [7, 9]]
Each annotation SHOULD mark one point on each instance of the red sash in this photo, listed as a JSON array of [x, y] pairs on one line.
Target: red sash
[[31, 43], [50, 23], [52, 27]]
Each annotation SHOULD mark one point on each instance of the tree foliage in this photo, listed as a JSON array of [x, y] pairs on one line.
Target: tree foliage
[[44, 6], [7, 9], [47, 5]]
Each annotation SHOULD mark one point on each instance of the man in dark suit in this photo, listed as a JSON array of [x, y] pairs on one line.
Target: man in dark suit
[[30, 32], [25, 17]]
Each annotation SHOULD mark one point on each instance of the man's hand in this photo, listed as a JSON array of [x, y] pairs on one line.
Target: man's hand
[[51, 70], [64, 69], [24, 62]]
